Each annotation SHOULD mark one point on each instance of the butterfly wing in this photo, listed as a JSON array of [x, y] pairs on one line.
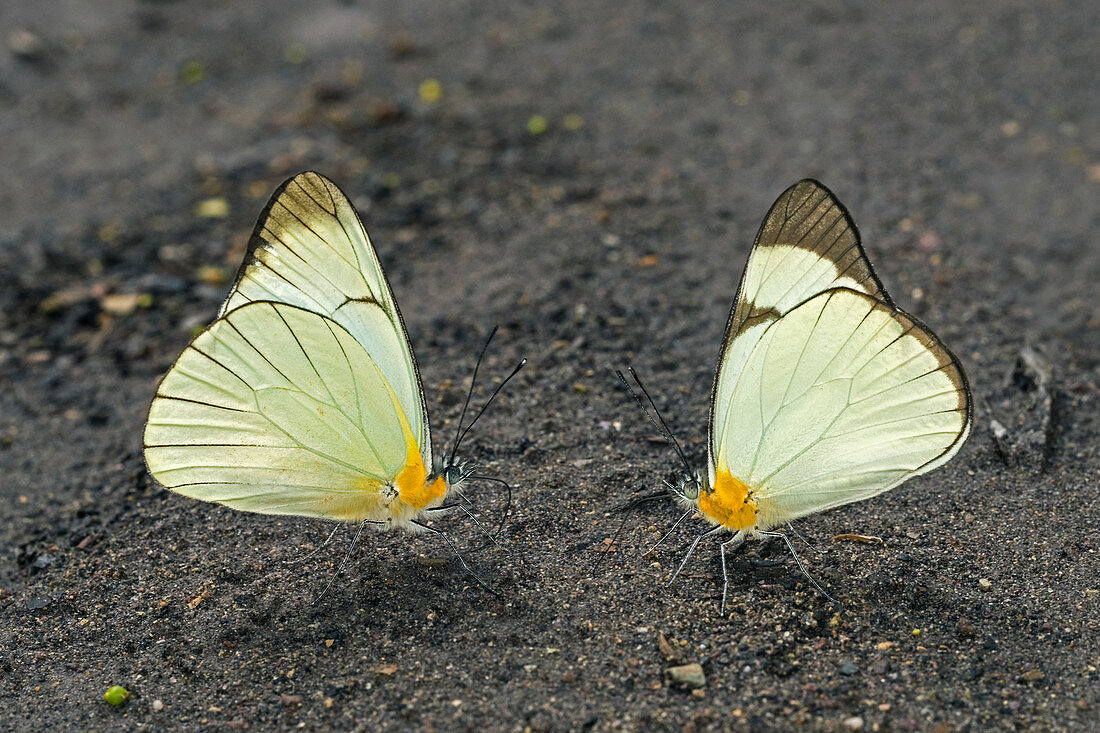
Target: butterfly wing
[[806, 245], [310, 249], [278, 410], [825, 392], [842, 398]]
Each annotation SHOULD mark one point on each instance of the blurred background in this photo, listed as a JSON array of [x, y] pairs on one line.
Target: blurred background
[[589, 176]]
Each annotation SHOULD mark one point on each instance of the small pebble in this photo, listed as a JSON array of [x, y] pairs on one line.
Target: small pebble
[[537, 125], [158, 705], [848, 668], [26, 45], [854, 723], [687, 675], [665, 647], [1032, 675], [36, 603], [965, 627], [985, 584], [431, 91]]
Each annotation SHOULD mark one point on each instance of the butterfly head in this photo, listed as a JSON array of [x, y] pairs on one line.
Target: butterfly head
[[687, 487], [454, 471]]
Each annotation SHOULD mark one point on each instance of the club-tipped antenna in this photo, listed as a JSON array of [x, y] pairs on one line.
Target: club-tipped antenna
[[493, 396], [658, 422], [470, 392]]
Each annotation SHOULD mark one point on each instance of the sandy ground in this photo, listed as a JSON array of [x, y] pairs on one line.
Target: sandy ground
[[139, 141]]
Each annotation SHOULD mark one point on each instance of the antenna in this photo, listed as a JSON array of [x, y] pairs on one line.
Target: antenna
[[470, 392], [662, 426], [462, 434]]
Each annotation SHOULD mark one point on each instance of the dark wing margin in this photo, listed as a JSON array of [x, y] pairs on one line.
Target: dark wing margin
[[255, 241]]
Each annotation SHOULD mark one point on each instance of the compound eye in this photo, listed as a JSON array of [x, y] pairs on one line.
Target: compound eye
[[691, 488], [457, 472]]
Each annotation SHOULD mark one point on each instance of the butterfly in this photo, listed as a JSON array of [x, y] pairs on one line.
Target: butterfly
[[303, 396], [825, 392]]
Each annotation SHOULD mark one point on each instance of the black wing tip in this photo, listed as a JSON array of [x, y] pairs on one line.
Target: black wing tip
[[807, 187], [307, 175], [812, 182], [256, 240], [812, 185]]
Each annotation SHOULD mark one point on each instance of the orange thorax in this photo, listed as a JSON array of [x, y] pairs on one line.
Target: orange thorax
[[411, 481], [729, 502]]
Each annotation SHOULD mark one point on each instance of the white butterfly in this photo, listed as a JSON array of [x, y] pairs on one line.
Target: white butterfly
[[825, 392], [303, 397]]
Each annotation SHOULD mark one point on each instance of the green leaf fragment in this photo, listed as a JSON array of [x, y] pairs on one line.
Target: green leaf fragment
[[116, 695]]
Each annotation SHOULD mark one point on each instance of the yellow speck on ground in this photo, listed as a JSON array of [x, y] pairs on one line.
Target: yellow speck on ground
[[572, 122], [431, 91], [212, 208], [537, 125]]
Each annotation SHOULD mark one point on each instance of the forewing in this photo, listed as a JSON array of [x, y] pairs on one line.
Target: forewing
[[842, 398], [278, 410], [807, 244], [309, 249]]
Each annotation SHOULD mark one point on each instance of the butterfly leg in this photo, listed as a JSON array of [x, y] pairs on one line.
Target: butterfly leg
[[804, 540], [347, 556], [507, 502], [473, 517], [698, 539], [323, 545], [798, 561], [736, 541], [438, 511], [458, 554], [669, 533]]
